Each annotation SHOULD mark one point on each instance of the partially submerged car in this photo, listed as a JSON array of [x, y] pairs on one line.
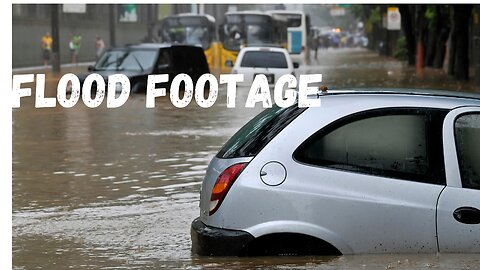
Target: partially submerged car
[[139, 61], [270, 61], [367, 172]]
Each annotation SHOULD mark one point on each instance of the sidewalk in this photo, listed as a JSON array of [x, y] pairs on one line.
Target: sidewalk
[[49, 67]]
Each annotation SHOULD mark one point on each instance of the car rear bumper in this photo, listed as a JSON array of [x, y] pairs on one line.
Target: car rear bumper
[[211, 241]]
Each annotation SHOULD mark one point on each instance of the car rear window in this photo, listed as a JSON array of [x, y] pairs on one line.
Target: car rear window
[[264, 59], [259, 131], [395, 143]]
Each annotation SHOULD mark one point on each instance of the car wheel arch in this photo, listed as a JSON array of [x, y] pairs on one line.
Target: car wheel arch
[[289, 244], [282, 228]]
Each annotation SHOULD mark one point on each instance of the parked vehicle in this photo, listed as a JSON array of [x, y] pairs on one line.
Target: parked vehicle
[[139, 61], [273, 62], [367, 172]]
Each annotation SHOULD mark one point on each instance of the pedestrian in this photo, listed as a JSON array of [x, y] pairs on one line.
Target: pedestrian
[[46, 48], [74, 46], [316, 44], [100, 46]]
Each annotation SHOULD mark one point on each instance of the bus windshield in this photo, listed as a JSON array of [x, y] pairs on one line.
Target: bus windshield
[[293, 20], [187, 30], [241, 30]]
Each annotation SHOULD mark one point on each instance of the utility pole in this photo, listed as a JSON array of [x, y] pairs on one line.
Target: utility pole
[[56, 38], [151, 9], [112, 23]]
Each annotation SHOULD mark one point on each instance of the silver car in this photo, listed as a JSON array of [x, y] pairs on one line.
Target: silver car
[[367, 172]]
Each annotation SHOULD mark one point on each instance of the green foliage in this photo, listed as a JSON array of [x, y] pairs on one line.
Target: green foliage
[[431, 15], [375, 15], [401, 49], [360, 11]]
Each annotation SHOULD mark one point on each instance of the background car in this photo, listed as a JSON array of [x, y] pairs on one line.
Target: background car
[[273, 62], [367, 172], [139, 61]]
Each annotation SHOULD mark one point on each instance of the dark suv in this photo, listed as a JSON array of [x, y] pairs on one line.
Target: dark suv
[[139, 61]]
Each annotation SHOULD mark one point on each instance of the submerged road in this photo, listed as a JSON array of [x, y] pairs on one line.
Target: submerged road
[[118, 188]]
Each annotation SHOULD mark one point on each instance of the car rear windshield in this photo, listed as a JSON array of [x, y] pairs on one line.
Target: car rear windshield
[[184, 56], [264, 59], [259, 131]]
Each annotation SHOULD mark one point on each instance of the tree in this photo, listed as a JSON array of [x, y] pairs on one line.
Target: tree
[[408, 31], [458, 62], [437, 34], [421, 29]]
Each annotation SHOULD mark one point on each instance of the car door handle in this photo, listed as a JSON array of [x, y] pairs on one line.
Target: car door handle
[[467, 215]]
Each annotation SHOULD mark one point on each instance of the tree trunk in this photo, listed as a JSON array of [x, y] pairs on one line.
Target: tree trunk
[[421, 28], [433, 31], [444, 29], [408, 30], [452, 43], [441, 49], [431, 47], [461, 19]]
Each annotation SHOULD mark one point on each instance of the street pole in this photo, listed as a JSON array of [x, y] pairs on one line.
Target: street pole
[[56, 38], [150, 21], [112, 24]]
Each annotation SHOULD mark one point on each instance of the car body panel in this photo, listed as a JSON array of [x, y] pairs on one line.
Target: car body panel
[[453, 236], [215, 168]]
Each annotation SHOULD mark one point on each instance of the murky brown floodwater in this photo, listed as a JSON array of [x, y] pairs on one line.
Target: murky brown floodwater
[[117, 188]]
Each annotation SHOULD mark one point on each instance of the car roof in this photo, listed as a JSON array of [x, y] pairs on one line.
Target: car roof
[[263, 48], [247, 12], [402, 91], [363, 99], [151, 46]]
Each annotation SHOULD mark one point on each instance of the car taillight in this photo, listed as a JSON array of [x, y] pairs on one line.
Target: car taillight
[[222, 185], [303, 48]]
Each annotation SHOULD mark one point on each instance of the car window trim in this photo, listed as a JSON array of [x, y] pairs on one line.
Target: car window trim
[[456, 144]]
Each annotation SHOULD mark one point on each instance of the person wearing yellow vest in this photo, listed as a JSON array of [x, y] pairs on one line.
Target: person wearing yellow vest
[[46, 48]]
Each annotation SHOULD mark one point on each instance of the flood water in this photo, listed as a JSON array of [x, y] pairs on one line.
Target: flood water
[[118, 188]]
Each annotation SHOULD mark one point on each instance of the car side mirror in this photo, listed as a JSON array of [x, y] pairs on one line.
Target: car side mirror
[[91, 68], [296, 65], [229, 63]]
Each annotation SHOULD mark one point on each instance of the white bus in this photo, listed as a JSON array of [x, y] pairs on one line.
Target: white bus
[[298, 24], [249, 28]]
